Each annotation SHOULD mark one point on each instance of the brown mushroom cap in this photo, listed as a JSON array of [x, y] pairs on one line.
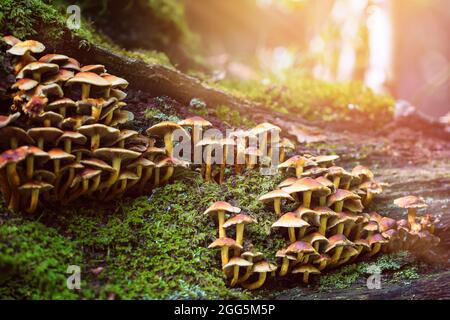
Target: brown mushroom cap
[[389, 234], [73, 123], [22, 47], [105, 132], [293, 161], [238, 219], [61, 103], [221, 206], [325, 158], [8, 132], [58, 154], [121, 117], [300, 247], [327, 183], [341, 195], [111, 153], [387, 224], [75, 137], [371, 186], [274, 195], [338, 240], [224, 242], [7, 120], [376, 238], [61, 76], [287, 182], [54, 118], [85, 106], [141, 162], [115, 82], [237, 261], [290, 220], [308, 184], [353, 205], [33, 185], [371, 226], [171, 162], [342, 217], [49, 134], [363, 173], [37, 67], [44, 175], [163, 127], [264, 266], [410, 202], [362, 243], [306, 268], [25, 84], [315, 237], [303, 212], [94, 68], [11, 40], [195, 121], [13, 156], [97, 164], [35, 105], [123, 135], [54, 58], [88, 78], [252, 255], [71, 64]]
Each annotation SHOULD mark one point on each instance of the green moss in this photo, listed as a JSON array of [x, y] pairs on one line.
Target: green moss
[[158, 116], [232, 117]]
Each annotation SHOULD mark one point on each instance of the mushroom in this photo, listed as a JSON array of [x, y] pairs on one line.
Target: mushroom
[[340, 177], [83, 177], [35, 106], [54, 58], [98, 165], [72, 65], [372, 188], [316, 239], [49, 119], [251, 257], [337, 244], [209, 142], [239, 220], [169, 163], [121, 117], [291, 221], [121, 187], [14, 137], [36, 69], [234, 264], [347, 254], [309, 216], [375, 242], [262, 131], [243, 139], [44, 135], [11, 40], [224, 244], [252, 154], [59, 77], [316, 172], [342, 222], [32, 153], [298, 162], [339, 197], [363, 173], [124, 135], [299, 249], [94, 107], [362, 245], [261, 267], [24, 49], [114, 81], [287, 182], [306, 270], [97, 132], [285, 146], [71, 168], [51, 90], [197, 125], [9, 160], [276, 196], [412, 203], [307, 186], [323, 260], [166, 129], [69, 137], [325, 161], [25, 84], [58, 155], [219, 208], [87, 79], [75, 122], [115, 156], [34, 187], [144, 169], [285, 261], [108, 112], [226, 143], [61, 105], [323, 214], [94, 68], [327, 183]]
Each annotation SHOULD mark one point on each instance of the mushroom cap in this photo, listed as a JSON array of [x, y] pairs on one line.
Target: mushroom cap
[[237, 261], [97, 164], [377, 238], [353, 205], [221, 206], [143, 162], [164, 127], [286, 144], [336, 171], [303, 212], [25, 84], [224, 242], [410, 202], [371, 186], [61, 76], [128, 175], [362, 243], [325, 158], [240, 218], [11, 40], [33, 185], [116, 82], [308, 184], [55, 118], [195, 121], [362, 172], [72, 123], [82, 150], [75, 137], [44, 175], [54, 58], [121, 117], [275, 194], [37, 67], [349, 252], [315, 172], [287, 182], [253, 255], [107, 132], [35, 105], [72, 165], [88, 78], [171, 162], [85, 106], [21, 48], [124, 135], [300, 247], [375, 216], [341, 195], [389, 234], [58, 154], [118, 94], [371, 226], [107, 110], [264, 266], [71, 64], [94, 68], [89, 173], [264, 127], [13, 156], [6, 120], [306, 268], [15, 132], [293, 161], [46, 133], [314, 237], [324, 212], [387, 223], [342, 217], [154, 151], [111, 153], [38, 153], [290, 220], [338, 240]]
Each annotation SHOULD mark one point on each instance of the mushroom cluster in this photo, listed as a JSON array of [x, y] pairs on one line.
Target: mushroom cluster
[[328, 227], [242, 265], [62, 137]]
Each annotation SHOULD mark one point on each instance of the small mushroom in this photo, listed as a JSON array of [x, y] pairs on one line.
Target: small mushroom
[[375, 242], [287, 182], [324, 213], [239, 220], [84, 177], [34, 188], [69, 137], [224, 244], [24, 49], [242, 139], [94, 107], [339, 197], [316, 239], [35, 106], [36, 69], [170, 164], [14, 137], [143, 169], [298, 162], [340, 177], [58, 155], [291, 221], [9, 160], [61, 105], [325, 161], [234, 264], [33, 153], [285, 146], [114, 81], [307, 186], [25, 84], [94, 68], [219, 208], [251, 257], [263, 131], [327, 183], [337, 244], [72, 65], [285, 261], [71, 169], [122, 183], [87, 79], [54, 58], [300, 249], [412, 203], [371, 188], [261, 267], [197, 125], [97, 132], [276, 196], [166, 129], [363, 173], [306, 270], [49, 119], [323, 260], [347, 254], [251, 155], [44, 136]]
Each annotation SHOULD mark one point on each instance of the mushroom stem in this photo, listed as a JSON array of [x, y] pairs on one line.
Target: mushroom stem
[[95, 142], [336, 182], [139, 171], [64, 188], [14, 143], [167, 175], [307, 199], [235, 278], [223, 165], [4, 186], [157, 177], [47, 123], [168, 143], [68, 145], [277, 205], [62, 111], [109, 118], [239, 235], [347, 185], [30, 167], [40, 143], [208, 163], [34, 201], [14, 182], [95, 184], [412, 216], [322, 265], [323, 225], [284, 267], [358, 231], [301, 232], [282, 155], [56, 166], [323, 201], [338, 206], [85, 90], [305, 277], [336, 255], [224, 255], [316, 246], [340, 228], [96, 112], [376, 248], [291, 232], [221, 218], [258, 283], [144, 180], [298, 170]]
